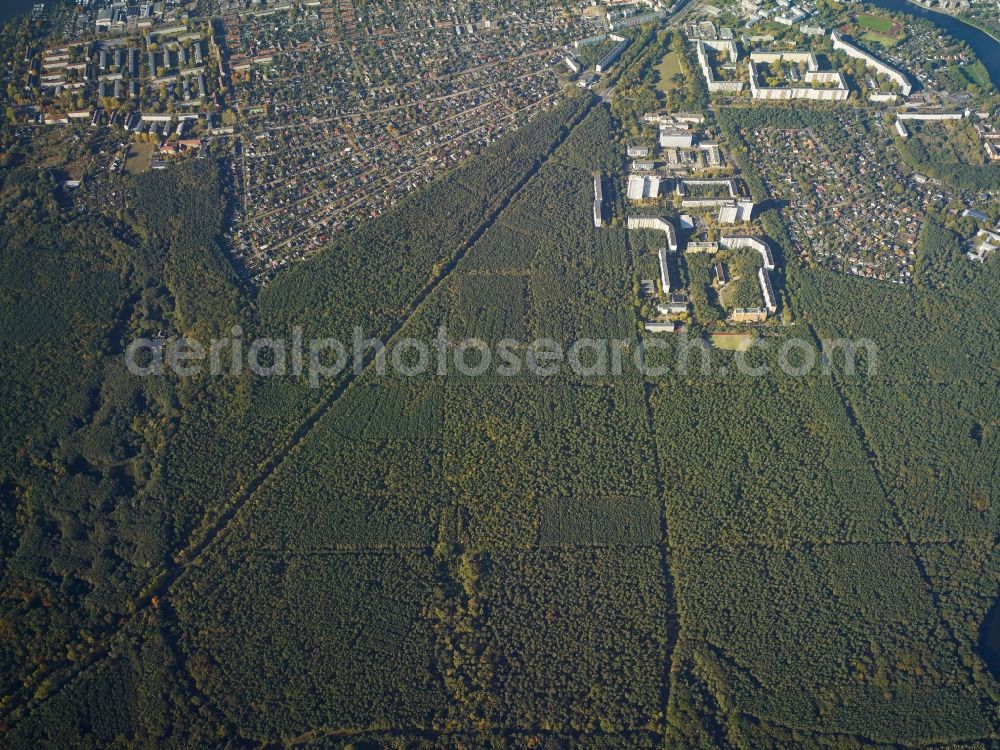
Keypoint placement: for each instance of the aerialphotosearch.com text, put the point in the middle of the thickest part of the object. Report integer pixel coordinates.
(320, 359)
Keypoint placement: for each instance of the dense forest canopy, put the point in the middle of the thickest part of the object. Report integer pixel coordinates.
(701, 557)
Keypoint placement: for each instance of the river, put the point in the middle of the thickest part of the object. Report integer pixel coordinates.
(987, 48)
(11, 8)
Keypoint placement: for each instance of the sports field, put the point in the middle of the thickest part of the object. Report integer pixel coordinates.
(877, 24)
(877, 30)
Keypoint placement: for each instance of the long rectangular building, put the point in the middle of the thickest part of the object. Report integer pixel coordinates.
(839, 43)
(626, 23)
(598, 201)
(612, 56)
(664, 270)
(929, 116)
(770, 301)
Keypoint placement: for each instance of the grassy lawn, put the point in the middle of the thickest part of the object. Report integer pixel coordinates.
(669, 66)
(732, 342)
(977, 74)
(726, 294)
(881, 39)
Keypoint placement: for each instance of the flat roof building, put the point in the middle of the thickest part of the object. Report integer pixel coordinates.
(660, 326)
(748, 315)
(736, 212)
(598, 201)
(656, 224)
(820, 85)
(770, 301)
(719, 45)
(929, 115)
(720, 274)
(676, 138)
(608, 60)
(752, 243)
(849, 49)
(664, 270)
(643, 186)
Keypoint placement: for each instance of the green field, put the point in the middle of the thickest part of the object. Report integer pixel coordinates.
(977, 73)
(668, 67)
(881, 39)
(732, 342)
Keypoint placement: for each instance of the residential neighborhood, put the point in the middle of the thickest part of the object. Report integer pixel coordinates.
(326, 113)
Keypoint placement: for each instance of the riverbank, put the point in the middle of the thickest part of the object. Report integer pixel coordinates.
(954, 14)
(983, 44)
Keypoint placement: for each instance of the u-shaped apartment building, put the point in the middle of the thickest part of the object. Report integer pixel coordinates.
(819, 88)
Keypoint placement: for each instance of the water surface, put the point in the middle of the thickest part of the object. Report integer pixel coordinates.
(987, 48)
